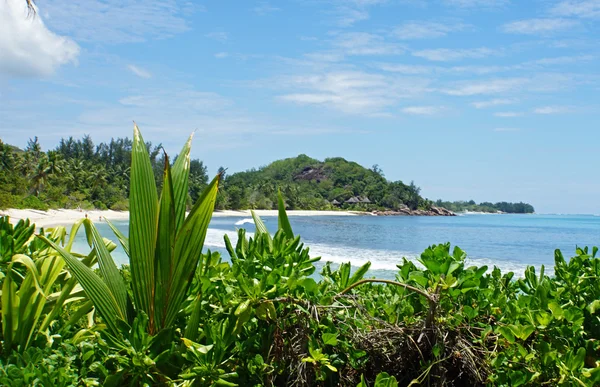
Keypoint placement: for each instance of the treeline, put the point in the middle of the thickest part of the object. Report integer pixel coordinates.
(81, 174)
(77, 174)
(509, 208)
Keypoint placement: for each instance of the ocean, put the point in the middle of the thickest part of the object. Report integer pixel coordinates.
(511, 242)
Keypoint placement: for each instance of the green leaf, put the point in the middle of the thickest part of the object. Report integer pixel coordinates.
(180, 176)
(143, 226)
(284, 222)
(188, 249)
(385, 380)
(96, 289)
(593, 306)
(330, 339)
(108, 269)
(359, 274)
(507, 334)
(165, 260)
(557, 310)
(122, 238)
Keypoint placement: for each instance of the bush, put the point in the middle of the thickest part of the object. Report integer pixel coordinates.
(34, 203)
(121, 205)
(9, 201)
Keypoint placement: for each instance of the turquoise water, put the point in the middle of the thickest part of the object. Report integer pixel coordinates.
(510, 242)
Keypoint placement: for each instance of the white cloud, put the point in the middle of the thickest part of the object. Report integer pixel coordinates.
(221, 55)
(140, 72)
(362, 43)
(27, 47)
(508, 114)
(506, 129)
(349, 12)
(493, 102)
(492, 86)
(177, 99)
(118, 21)
(218, 35)
(477, 3)
(352, 92)
(448, 54)
(578, 8)
(264, 8)
(406, 69)
(346, 16)
(425, 30)
(538, 26)
(423, 110)
(560, 60)
(553, 110)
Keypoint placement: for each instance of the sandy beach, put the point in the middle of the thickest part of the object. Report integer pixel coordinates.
(67, 217)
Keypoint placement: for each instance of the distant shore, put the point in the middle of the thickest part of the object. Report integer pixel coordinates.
(67, 217)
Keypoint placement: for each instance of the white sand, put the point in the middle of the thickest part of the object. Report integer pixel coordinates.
(62, 217)
(68, 217)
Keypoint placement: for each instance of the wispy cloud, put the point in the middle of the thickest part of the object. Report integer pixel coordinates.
(448, 54)
(352, 92)
(424, 110)
(221, 55)
(140, 72)
(425, 30)
(264, 8)
(578, 8)
(493, 102)
(28, 47)
(508, 114)
(541, 26)
(349, 12)
(406, 69)
(492, 86)
(181, 98)
(118, 21)
(362, 43)
(561, 60)
(553, 110)
(218, 35)
(477, 3)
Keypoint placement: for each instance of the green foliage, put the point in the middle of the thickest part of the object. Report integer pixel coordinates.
(180, 317)
(79, 174)
(509, 208)
(313, 185)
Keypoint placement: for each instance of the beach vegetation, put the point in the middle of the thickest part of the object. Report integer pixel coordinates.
(179, 315)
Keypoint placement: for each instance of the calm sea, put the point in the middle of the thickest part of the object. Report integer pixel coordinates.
(510, 242)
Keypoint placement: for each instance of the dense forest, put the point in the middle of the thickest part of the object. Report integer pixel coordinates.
(81, 174)
(78, 174)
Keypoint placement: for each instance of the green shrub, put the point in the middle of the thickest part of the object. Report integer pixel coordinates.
(34, 203)
(9, 201)
(121, 205)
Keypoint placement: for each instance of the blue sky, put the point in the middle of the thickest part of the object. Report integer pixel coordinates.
(472, 99)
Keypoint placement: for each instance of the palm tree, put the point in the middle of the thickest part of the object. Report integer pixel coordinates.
(39, 177)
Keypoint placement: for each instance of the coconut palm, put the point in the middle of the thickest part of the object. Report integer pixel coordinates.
(164, 248)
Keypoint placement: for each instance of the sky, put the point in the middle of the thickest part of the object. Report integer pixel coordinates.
(490, 100)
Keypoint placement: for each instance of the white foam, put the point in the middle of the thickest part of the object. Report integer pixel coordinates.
(244, 221)
(380, 259)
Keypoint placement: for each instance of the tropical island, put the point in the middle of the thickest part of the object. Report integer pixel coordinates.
(79, 174)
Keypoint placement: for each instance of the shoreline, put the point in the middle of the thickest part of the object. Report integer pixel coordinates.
(64, 217)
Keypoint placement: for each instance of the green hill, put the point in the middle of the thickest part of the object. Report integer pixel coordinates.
(311, 184)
